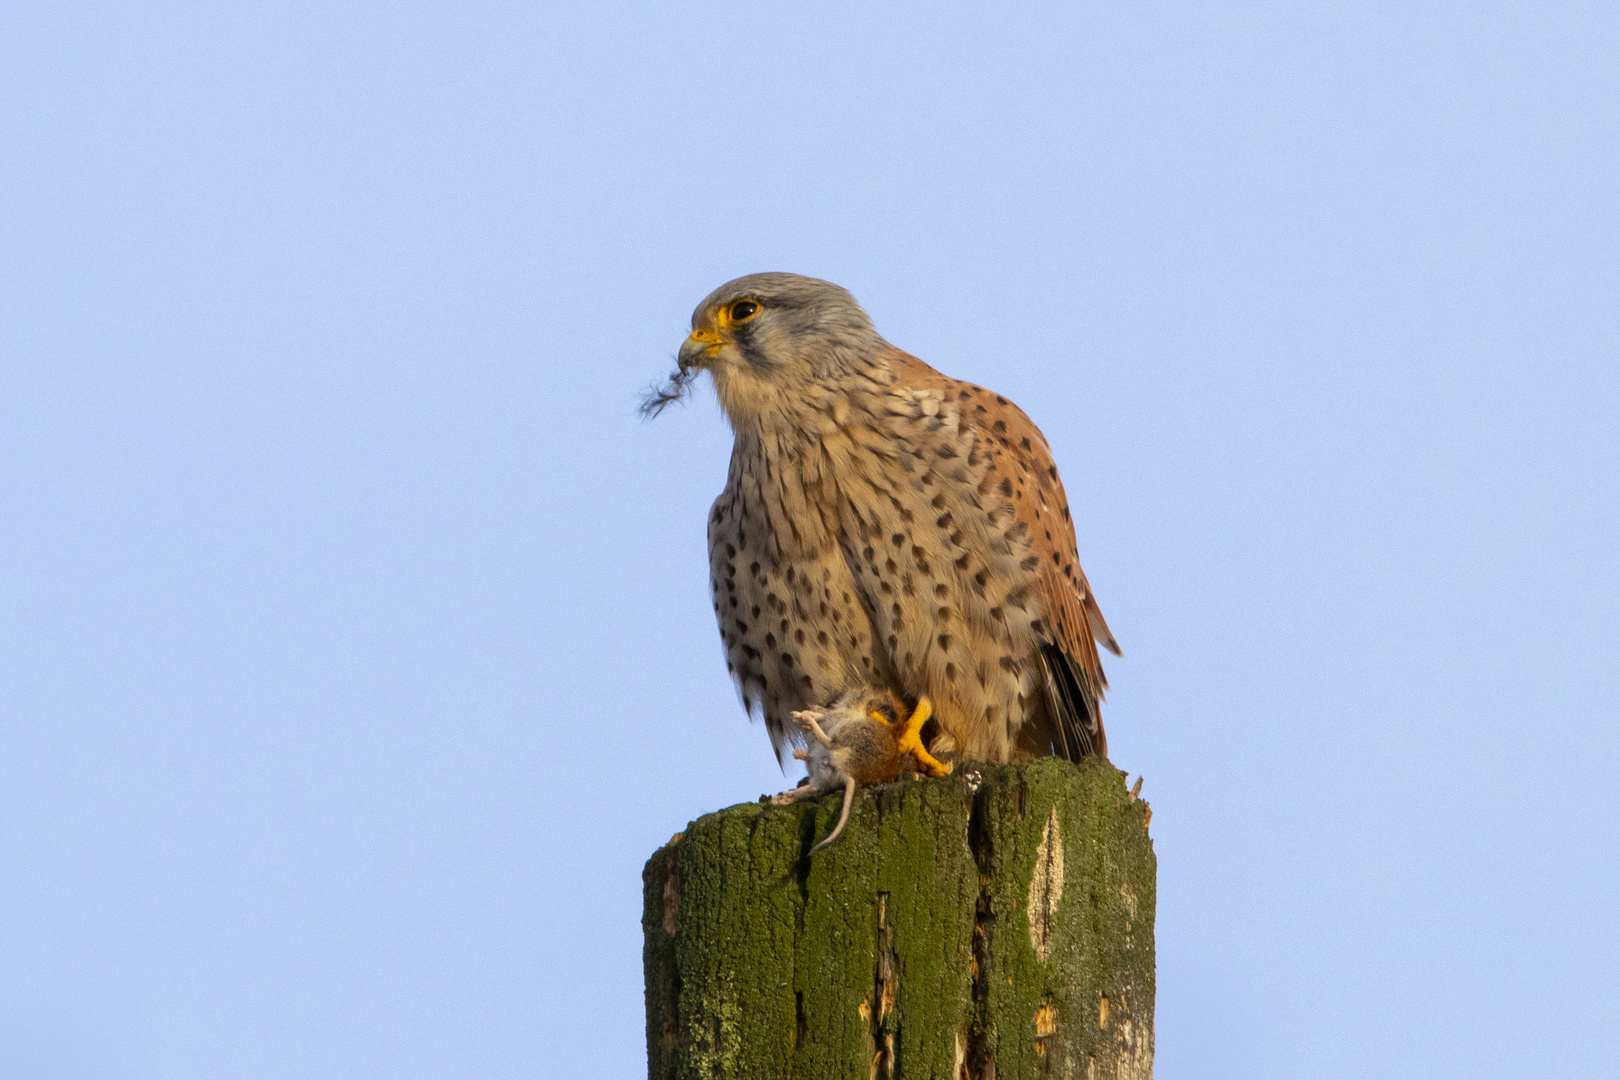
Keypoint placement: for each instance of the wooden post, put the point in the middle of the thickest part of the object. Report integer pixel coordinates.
(990, 925)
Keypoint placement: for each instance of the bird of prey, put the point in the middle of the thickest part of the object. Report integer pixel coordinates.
(884, 526)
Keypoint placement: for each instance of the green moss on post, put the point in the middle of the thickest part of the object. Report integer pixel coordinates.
(994, 924)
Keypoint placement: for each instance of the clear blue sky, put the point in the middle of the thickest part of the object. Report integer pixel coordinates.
(356, 643)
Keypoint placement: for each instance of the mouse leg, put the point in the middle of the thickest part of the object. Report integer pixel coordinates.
(911, 739)
(815, 729)
(793, 795)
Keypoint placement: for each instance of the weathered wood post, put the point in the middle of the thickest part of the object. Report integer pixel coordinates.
(990, 925)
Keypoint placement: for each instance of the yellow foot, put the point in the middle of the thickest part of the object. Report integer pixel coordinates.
(911, 739)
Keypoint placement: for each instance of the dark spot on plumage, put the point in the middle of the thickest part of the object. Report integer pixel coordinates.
(950, 672)
(956, 538)
(756, 611)
(1056, 558)
(798, 636)
(1024, 442)
(805, 682)
(1031, 563)
(1006, 486)
(941, 592)
(897, 539)
(996, 613)
(979, 409)
(1051, 470)
(1035, 625)
(962, 563)
(1008, 664)
(1000, 400)
(981, 577)
(999, 425)
(944, 521)
(938, 501)
(787, 659)
(770, 641)
(891, 566)
(885, 587)
(821, 637)
(944, 642)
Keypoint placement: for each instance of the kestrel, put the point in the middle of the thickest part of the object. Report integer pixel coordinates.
(884, 526)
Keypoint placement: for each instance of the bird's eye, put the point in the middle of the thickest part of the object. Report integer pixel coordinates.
(743, 310)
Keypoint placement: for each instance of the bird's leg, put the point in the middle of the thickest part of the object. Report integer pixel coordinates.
(911, 739)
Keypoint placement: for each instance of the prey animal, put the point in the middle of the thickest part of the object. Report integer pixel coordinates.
(859, 740)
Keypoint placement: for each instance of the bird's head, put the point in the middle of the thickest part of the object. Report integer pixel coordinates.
(771, 342)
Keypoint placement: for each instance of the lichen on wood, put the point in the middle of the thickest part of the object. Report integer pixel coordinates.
(997, 923)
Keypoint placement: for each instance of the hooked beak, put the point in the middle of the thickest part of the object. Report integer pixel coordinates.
(701, 346)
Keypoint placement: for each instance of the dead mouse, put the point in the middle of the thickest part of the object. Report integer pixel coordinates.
(859, 740)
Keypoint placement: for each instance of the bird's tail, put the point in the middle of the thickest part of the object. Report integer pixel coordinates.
(1073, 706)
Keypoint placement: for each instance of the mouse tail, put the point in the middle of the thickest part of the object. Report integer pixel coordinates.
(843, 815)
